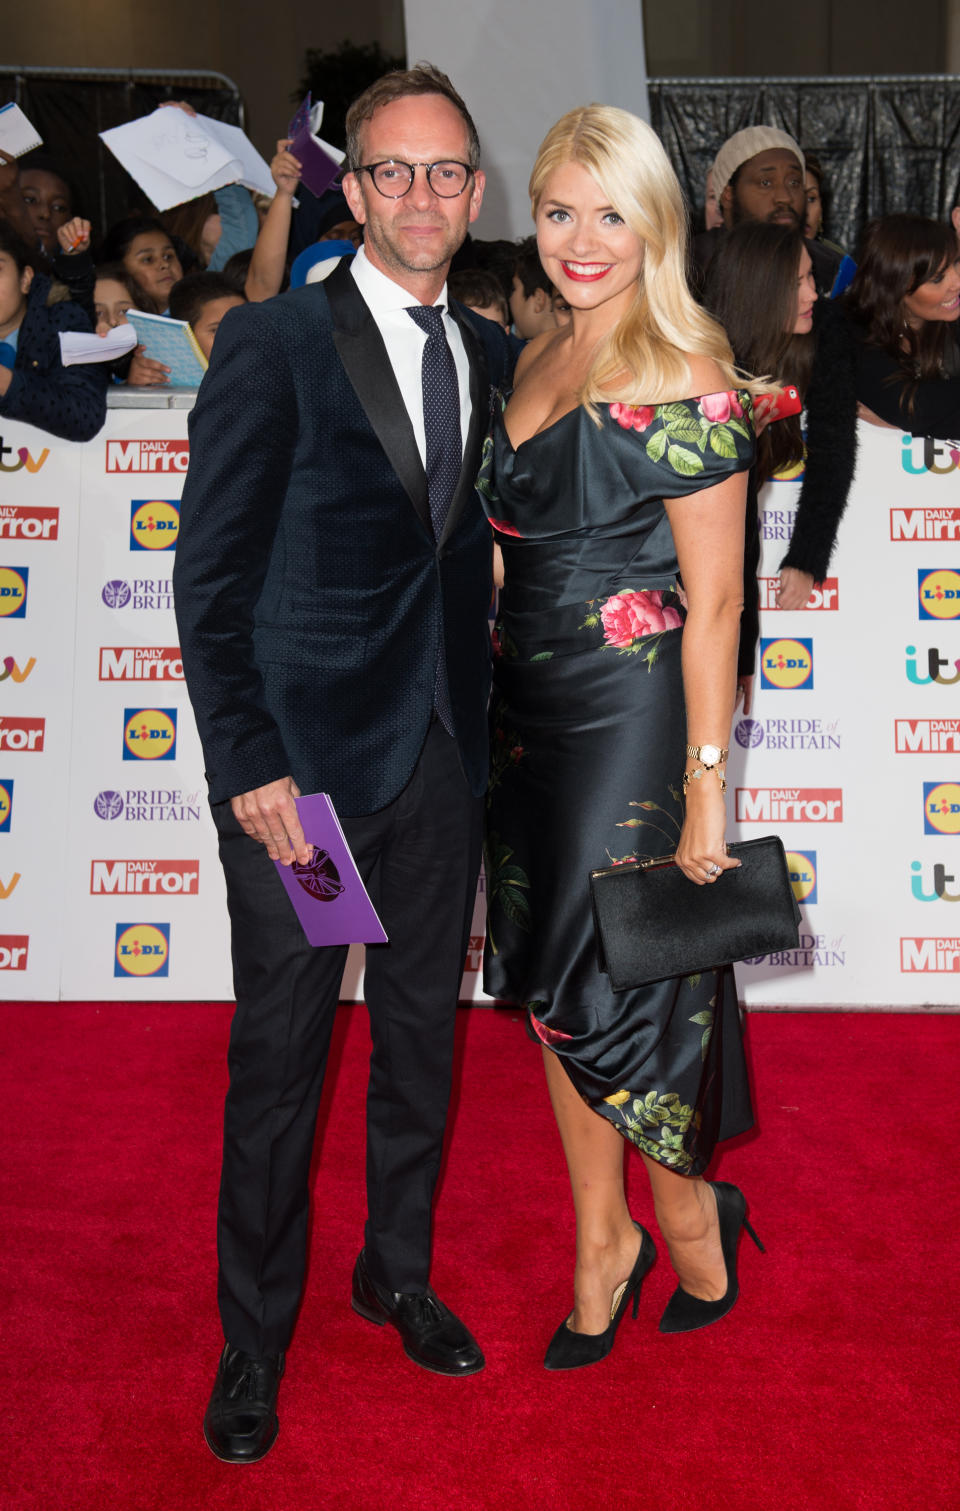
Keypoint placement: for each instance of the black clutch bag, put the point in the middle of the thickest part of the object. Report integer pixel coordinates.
(651, 922)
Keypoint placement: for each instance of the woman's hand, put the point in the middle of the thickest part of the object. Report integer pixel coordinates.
(146, 372)
(701, 853)
(74, 236)
(795, 588)
(284, 168)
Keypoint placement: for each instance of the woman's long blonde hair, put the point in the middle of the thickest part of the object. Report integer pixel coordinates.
(643, 360)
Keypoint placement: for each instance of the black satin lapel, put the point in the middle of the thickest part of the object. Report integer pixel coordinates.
(360, 347)
(479, 417)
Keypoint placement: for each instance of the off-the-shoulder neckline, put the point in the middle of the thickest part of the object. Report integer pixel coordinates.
(579, 409)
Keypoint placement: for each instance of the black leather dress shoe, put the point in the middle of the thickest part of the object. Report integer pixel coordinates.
(240, 1424)
(432, 1336)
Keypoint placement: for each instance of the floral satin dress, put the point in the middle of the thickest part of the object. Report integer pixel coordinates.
(588, 735)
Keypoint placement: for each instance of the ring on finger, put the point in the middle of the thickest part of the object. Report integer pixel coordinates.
(713, 870)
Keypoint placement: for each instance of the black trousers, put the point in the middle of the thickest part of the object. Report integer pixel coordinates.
(419, 859)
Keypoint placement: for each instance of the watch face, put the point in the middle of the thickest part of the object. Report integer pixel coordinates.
(710, 754)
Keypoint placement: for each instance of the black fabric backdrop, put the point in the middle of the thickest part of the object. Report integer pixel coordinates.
(68, 112)
(886, 144)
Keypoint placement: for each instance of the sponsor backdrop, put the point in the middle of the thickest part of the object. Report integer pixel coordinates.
(109, 881)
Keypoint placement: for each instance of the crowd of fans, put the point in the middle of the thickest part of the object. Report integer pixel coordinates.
(797, 307)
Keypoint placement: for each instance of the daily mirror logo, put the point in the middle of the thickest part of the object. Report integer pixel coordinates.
(154, 878)
(29, 522)
(140, 663)
(14, 949)
(148, 456)
(154, 524)
(927, 736)
(24, 735)
(936, 956)
(826, 595)
(790, 805)
(924, 524)
(142, 949)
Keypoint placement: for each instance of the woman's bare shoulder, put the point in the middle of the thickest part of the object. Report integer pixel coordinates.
(531, 353)
(706, 376)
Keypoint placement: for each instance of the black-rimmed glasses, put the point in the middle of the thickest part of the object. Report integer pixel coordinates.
(394, 179)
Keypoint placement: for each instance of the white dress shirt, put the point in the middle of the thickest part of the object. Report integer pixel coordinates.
(388, 304)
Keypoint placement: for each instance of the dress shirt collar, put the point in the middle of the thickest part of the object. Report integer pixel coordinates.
(382, 295)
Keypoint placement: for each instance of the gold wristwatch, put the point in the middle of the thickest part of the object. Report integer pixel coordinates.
(707, 755)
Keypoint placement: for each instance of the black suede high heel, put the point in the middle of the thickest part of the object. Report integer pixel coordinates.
(570, 1350)
(685, 1313)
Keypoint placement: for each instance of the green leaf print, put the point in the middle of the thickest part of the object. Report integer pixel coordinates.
(542, 656)
(681, 424)
(687, 463)
(722, 442)
(507, 885)
(704, 1020)
(657, 445)
(740, 428)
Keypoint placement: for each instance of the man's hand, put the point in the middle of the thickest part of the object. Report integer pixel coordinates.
(268, 814)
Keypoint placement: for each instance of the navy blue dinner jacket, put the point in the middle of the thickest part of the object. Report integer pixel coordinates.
(311, 596)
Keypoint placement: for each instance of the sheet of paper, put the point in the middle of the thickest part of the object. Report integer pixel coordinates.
(175, 157)
(17, 134)
(328, 895)
(87, 346)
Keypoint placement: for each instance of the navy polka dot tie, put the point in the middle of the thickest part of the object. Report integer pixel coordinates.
(441, 423)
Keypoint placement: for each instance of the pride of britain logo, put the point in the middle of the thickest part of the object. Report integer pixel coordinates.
(108, 805)
(786, 664)
(939, 593)
(142, 949)
(141, 593)
(149, 734)
(154, 524)
(788, 734)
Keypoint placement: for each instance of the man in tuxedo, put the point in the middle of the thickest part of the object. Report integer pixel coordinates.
(332, 582)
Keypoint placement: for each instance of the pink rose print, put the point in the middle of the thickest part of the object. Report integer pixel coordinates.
(628, 616)
(633, 416)
(718, 407)
(548, 1035)
(505, 528)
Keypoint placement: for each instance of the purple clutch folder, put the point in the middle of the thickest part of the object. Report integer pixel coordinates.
(328, 895)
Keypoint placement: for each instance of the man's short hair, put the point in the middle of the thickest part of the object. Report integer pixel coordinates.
(743, 145)
(191, 294)
(401, 83)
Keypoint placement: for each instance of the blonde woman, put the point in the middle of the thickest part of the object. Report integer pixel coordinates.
(615, 481)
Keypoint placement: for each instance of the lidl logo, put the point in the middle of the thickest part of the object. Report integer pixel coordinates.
(786, 664)
(142, 949)
(13, 951)
(13, 592)
(941, 807)
(802, 870)
(149, 734)
(6, 805)
(939, 593)
(154, 524)
(29, 522)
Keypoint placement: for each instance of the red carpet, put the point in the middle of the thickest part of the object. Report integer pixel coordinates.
(834, 1383)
